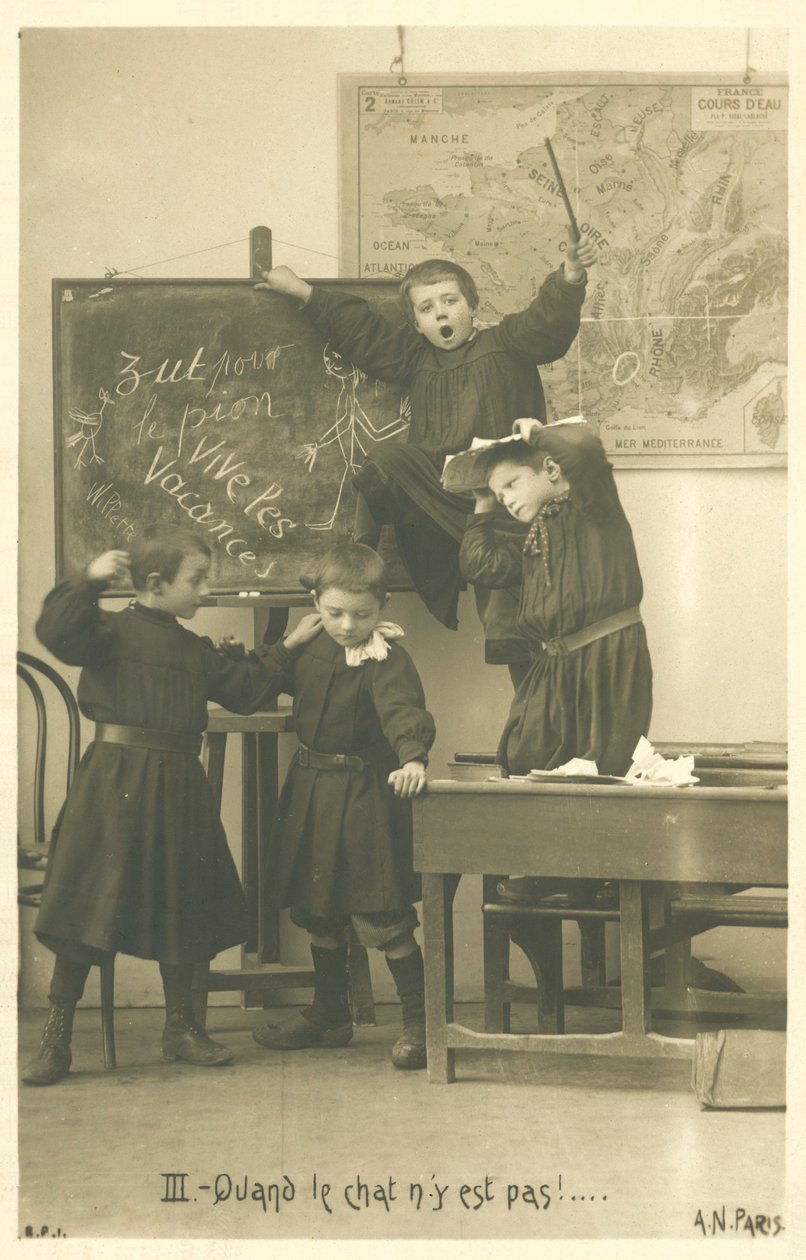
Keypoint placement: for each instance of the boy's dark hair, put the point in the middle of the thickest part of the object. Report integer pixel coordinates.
(431, 271)
(161, 549)
(349, 567)
(582, 460)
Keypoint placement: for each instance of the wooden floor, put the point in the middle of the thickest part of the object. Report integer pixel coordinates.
(545, 1149)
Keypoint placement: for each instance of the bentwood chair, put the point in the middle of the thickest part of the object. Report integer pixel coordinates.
(32, 844)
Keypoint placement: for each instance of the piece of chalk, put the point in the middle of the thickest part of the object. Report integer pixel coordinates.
(254, 594)
(242, 594)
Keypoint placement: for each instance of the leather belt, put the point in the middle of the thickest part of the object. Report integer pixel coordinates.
(566, 644)
(144, 737)
(329, 761)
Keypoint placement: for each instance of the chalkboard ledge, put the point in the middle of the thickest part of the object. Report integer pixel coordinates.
(233, 599)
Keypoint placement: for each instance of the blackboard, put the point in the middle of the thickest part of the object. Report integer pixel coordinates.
(208, 404)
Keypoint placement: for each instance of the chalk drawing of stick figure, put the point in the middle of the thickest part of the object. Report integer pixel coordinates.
(352, 427)
(89, 426)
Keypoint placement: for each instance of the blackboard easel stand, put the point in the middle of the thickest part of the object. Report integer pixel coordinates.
(261, 971)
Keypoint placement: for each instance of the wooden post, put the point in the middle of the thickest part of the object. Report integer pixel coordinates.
(260, 786)
(259, 251)
(438, 953)
(273, 622)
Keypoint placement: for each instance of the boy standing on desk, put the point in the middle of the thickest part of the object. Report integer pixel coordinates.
(463, 382)
(588, 692)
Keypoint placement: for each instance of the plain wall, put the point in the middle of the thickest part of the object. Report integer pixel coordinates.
(146, 145)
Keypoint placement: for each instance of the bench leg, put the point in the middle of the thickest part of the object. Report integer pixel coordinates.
(592, 954)
(542, 943)
(496, 965)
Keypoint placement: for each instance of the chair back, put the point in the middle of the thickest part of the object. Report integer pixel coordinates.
(33, 671)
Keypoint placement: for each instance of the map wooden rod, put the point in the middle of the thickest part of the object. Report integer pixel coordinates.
(568, 209)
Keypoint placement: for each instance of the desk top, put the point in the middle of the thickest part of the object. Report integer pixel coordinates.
(271, 721)
(725, 834)
(755, 754)
(720, 785)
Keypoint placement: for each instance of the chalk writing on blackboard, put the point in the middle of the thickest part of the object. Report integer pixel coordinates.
(353, 430)
(89, 426)
(203, 403)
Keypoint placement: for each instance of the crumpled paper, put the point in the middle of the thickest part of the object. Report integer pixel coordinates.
(577, 765)
(577, 770)
(650, 767)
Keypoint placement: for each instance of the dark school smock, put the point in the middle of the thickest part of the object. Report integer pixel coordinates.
(477, 390)
(593, 703)
(343, 840)
(139, 862)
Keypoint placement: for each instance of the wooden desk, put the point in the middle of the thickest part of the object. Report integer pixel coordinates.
(637, 836)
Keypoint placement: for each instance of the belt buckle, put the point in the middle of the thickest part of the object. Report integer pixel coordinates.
(304, 757)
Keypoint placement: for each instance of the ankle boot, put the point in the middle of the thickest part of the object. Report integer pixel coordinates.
(52, 1061)
(53, 1058)
(408, 1051)
(182, 1037)
(326, 1022)
(377, 492)
(366, 529)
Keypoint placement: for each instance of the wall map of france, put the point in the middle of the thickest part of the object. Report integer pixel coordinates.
(682, 350)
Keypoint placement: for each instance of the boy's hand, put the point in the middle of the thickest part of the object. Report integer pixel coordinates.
(111, 566)
(409, 780)
(527, 429)
(580, 255)
(485, 500)
(306, 629)
(284, 280)
(231, 647)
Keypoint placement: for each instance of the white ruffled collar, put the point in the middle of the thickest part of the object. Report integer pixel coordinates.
(376, 647)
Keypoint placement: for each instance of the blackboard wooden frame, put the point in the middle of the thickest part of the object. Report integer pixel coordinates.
(73, 299)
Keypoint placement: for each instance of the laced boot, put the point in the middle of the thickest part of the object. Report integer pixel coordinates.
(326, 1022)
(53, 1058)
(182, 1037)
(408, 1051)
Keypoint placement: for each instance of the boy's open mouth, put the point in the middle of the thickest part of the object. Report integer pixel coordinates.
(446, 332)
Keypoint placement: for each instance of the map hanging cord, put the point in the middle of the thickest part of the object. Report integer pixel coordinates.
(398, 60)
(749, 70)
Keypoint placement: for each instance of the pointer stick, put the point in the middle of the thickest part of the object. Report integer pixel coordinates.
(568, 210)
